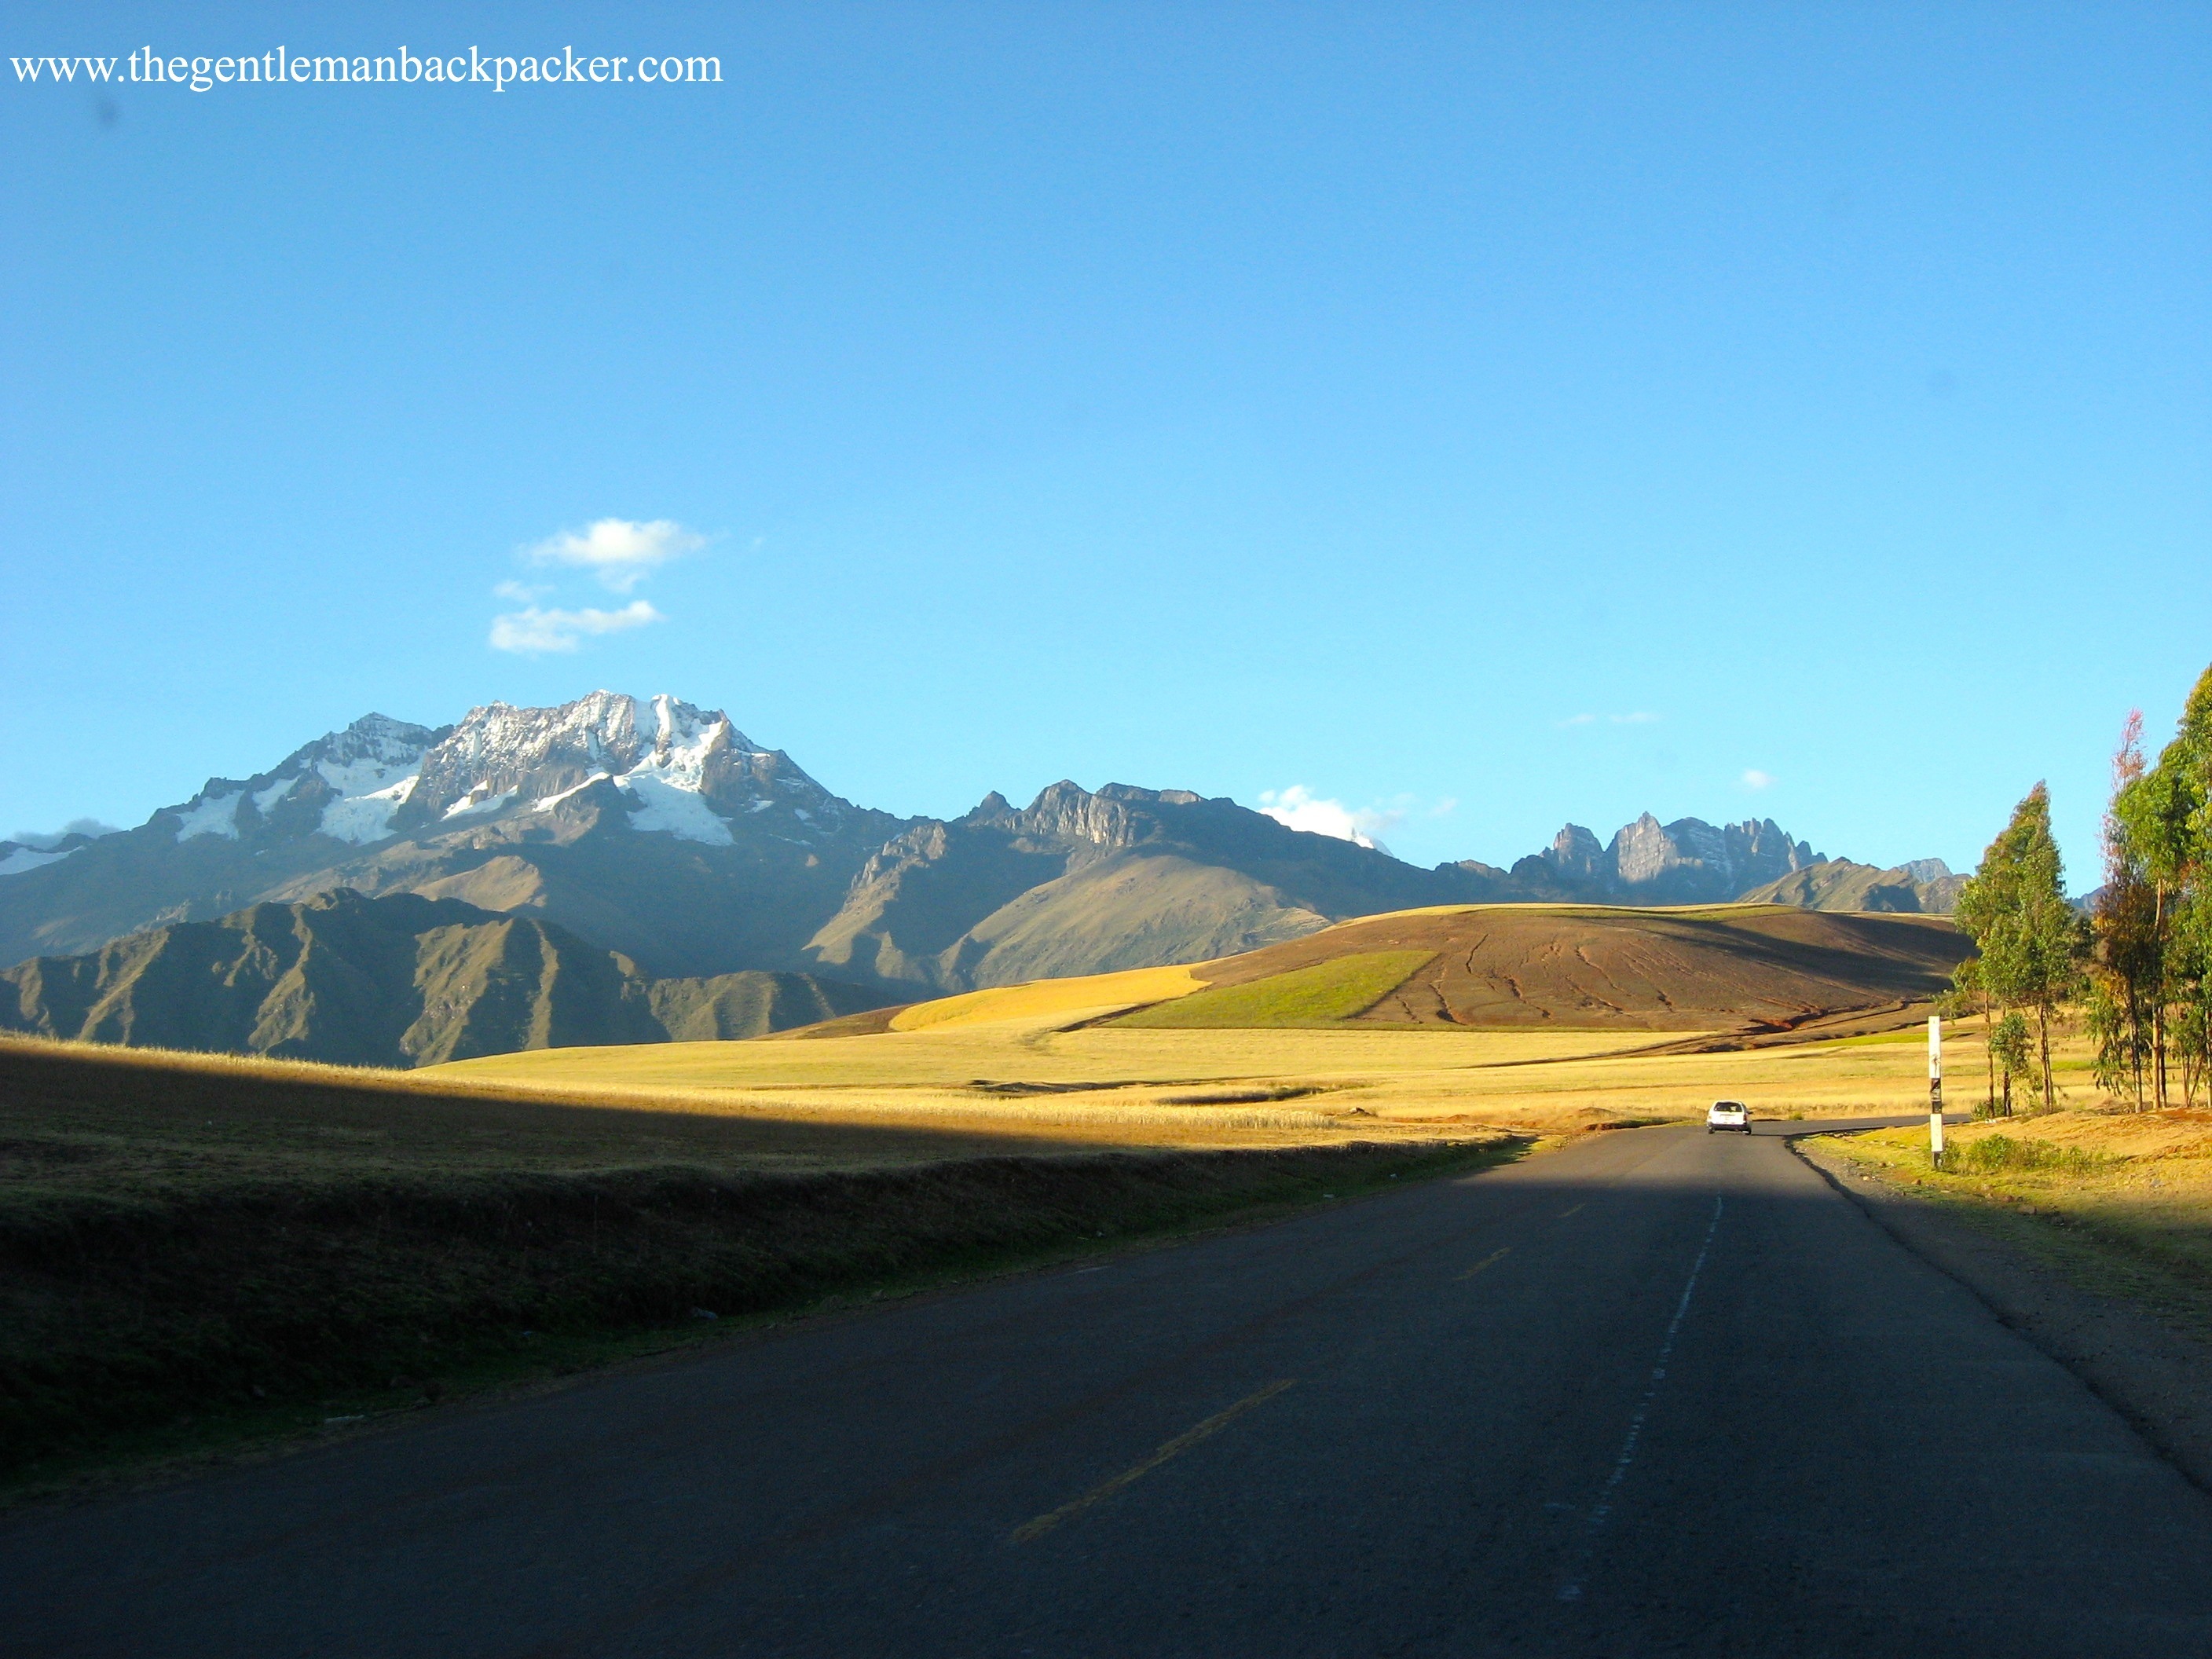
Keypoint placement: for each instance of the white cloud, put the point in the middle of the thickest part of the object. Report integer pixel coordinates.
(522, 592)
(620, 552)
(1756, 778)
(1299, 808)
(42, 839)
(531, 631)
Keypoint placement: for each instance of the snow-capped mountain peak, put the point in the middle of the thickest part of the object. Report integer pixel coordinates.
(680, 769)
(346, 784)
(677, 769)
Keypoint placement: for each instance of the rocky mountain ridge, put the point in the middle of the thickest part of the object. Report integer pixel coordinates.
(401, 981)
(667, 764)
(656, 828)
(1089, 882)
(649, 825)
(1688, 861)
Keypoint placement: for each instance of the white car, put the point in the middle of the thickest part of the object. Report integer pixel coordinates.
(1728, 1114)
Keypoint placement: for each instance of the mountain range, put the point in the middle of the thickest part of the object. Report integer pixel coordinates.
(400, 981)
(659, 831)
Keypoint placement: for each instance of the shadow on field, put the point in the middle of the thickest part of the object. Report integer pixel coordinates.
(201, 1113)
(181, 1249)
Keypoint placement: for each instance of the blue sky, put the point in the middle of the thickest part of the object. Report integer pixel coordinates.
(1479, 416)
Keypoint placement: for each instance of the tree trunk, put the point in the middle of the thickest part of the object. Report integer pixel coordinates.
(1989, 1053)
(2158, 995)
(2135, 1042)
(2043, 1038)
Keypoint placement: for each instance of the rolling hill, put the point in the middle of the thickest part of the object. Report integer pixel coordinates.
(1753, 970)
(1732, 967)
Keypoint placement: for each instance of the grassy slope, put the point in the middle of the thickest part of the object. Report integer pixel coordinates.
(1069, 1001)
(732, 1006)
(1697, 969)
(1322, 994)
(1840, 884)
(1128, 911)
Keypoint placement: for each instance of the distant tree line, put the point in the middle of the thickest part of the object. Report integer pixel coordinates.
(2140, 961)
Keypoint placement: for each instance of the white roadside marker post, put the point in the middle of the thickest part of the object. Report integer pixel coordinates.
(1936, 1090)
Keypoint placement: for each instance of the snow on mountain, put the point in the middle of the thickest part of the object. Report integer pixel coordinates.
(367, 797)
(371, 769)
(680, 770)
(472, 806)
(671, 783)
(19, 859)
(684, 771)
(30, 851)
(211, 814)
(547, 803)
(345, 784)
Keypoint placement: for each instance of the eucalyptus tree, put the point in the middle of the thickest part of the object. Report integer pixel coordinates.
(2031, 940)
(2165, 814)
(2127, 950)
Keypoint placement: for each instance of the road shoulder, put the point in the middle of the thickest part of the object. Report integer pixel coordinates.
(2159, 1378)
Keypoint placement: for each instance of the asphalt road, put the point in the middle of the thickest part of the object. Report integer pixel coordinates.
(1661, 1393)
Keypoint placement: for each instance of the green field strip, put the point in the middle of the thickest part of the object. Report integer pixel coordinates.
(1322, 994)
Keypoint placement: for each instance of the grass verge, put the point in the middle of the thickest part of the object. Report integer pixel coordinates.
(2118, 1204)
(163, 1325)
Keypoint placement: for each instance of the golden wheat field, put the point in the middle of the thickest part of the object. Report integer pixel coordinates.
(1027, 1072)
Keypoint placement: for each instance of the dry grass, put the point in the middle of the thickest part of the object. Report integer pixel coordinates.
(1136, 1086)
(1064, 1001)
(2119, 1199)
(965, 1085)
(1129, 1086)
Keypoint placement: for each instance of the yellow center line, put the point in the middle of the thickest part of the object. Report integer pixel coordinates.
(1174, 1447)
(1484, 1262)
(1577, 1210)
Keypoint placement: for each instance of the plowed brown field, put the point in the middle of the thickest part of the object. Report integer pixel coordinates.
(1734, 968)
